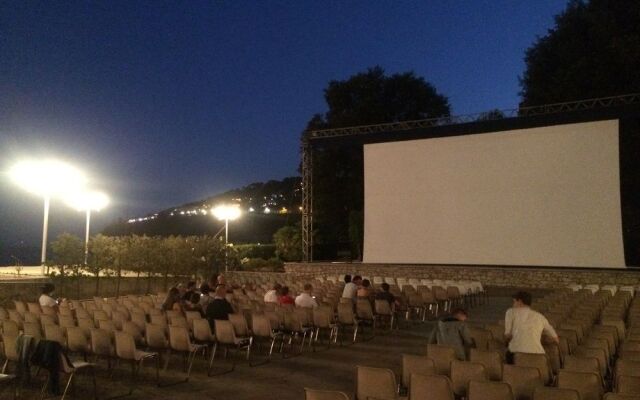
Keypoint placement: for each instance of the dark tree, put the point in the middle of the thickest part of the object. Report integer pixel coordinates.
(370, 97)
(593, 51)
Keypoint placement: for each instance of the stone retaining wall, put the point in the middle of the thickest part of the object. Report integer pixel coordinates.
(525, 277)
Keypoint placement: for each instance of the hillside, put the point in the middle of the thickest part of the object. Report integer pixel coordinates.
(266, 206)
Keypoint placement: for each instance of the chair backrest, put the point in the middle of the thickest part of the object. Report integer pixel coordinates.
(133, 329)
(322, 317)
(239, 324)
(125, 346)
(430, 387)
(539, 361)
(442, 355)
(202, 330)
(261, 325)
(486, 390)
(10, 328)
(225, 333)
(107, 325)
(139, 318)
(313, 394)
(31, 317)
(346, 315)
(413, 364)
(619, 396)
(379, 383)
(77, 340)
(626, 384)
(21, 307)
(56, 334)
(582, 364)
(101, 342)
(553, 393)
(599, 354)
(32, 329)
(46, 319)
(481, 337)
(383, 307)
(155, 335)
(47, 310)
(34, 308)
(462, 372)
(627, 367)
(589, 385)
(67, 321)
(10, 346)
(363, 309)
(523, 380)
(179, 338)
(491, 360)
(178, 320)
(191, 315)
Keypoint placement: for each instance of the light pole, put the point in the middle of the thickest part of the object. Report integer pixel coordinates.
(87, 202)
(226, 213)
(46, 178)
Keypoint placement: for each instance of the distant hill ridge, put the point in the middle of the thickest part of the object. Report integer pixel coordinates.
(266, 206)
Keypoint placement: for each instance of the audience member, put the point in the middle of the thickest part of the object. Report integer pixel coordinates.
(452, 330)
(189, 290)
(364, 291)
(272, 295)
(284, 297)
(350, 288)
(205, 299)
(193, 303)
(45, 299)
(523, 327)
(305, 299)
(384, 294)
(219, 307)
(172, 302)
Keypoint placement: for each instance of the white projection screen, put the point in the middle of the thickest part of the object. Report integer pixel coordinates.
(546, 196)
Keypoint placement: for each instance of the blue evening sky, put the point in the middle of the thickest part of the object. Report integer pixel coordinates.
(165, 102)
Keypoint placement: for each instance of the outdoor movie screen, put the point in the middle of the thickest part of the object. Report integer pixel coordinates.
(546, 196)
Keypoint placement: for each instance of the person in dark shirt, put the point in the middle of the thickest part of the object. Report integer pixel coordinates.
(191, 288)
(384, 294)
(219, 307)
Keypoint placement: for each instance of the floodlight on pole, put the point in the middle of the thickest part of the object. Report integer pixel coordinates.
(226, 213)
(47, 178)
(87, 202)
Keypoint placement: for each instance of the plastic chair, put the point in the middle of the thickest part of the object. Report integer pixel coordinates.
(523, 380)
(180, 342)
(413, 364)
(486, 390)
(378, 383)
(314, 394)
(430, 387)
(225, 336)
(553, 393)
(442, 355)
(462, 372)
(491, 360)
(126, 350)
(539, 361)
(589, 385)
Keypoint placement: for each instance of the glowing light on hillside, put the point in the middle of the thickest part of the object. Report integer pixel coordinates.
(225, 212)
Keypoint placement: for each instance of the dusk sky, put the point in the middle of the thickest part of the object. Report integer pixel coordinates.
(164, 103)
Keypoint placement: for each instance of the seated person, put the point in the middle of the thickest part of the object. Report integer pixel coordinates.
(284, 297)
(452, 330)
(364, 291)
(45, 299)
(219, 307)
(384, 294)
(272, 295)
(305, 299)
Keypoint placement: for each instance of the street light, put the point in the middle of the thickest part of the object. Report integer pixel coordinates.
(46, 178)
(226, 213)
(87, 202)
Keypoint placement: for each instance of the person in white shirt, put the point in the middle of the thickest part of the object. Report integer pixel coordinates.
(45, 299)
(351, 288)
(304, 299)
(523, 327)
(272, 295)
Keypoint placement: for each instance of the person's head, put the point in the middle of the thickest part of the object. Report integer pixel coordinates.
(48, 288)
(366, 283)
(194, 297)
(181, 288)
(213, 281)
(191, 285)
(521, 299)
(460, 314)
(204, 289)
(221, 280)
(308, 288)
(221, 291)
(357, 280)
(277, 287)
(347, 278)
(385, 287)
(173, 292)
(284, 291)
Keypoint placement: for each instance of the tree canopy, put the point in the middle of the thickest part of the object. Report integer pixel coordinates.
(370, 97)
(592, 51)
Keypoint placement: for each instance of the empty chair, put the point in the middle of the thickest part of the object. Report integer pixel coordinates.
(619, 396)
(412, 364)
(430, 387)
(72, 368)
(180, 342)
(626, 384)
(588, 384)
(491, 360)
(34, 308)
(134, 330)
(155, 336)
(125, 348)
(485, 390)
(323, 321)
(599, 354)
(46, 319)
(101, 345)
(225, 336)
(481, 337)
(10, 328)
(55, 333)
(314, 394)
(462, 372)
(77, 341)
(32, 329)
(10, 348)
(262, 330)
(346, 317)
(442, 355)
(383, 310)
(582, 364)
(627, 367)
(240, 326)
(66, 321)
(523, 380)
(378, 383)
(553, 393)
(539, 361)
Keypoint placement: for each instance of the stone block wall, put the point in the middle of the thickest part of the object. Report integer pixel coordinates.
(525, 277)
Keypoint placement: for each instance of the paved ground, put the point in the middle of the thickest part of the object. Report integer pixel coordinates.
(282, 379)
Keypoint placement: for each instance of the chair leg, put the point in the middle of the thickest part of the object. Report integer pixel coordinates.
(68, 384)
(355, 333)
(4, 366)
